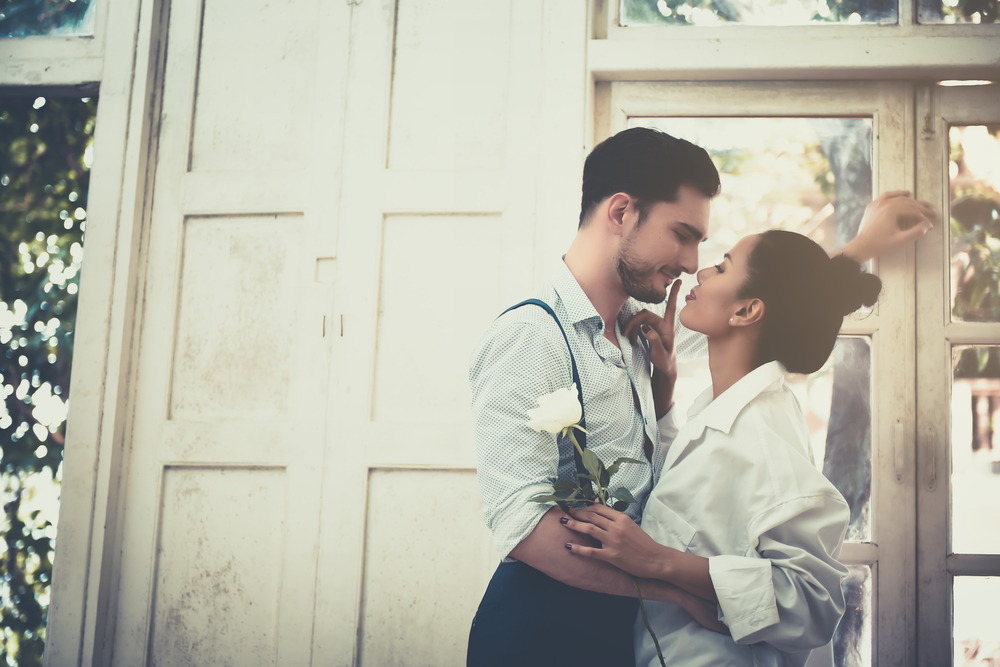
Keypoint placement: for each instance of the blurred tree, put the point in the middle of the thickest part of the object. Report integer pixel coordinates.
(22, 18)
(683, 12)
(44, 173)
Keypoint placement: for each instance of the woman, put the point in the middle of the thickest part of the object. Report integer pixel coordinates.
(740, 515)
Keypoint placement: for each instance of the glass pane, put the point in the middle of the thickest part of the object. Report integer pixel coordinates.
(975, 451)
(45, 156)
(852, 643)
(836, 401)
(974, 171)
(28, 18)
(812, 176)
(756, 12)
(958, 11)
(977, 632)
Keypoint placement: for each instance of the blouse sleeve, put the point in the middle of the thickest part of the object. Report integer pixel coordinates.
(787, 592)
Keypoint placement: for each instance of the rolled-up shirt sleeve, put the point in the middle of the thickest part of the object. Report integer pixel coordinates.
(515, 364)
(788, 593)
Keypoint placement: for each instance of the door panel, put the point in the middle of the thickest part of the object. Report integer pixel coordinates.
(220, 524)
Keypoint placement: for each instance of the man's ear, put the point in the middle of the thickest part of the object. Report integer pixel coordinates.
(751, 312)
(616, 207)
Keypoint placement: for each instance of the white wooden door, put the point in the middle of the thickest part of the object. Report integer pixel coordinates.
(220, 522)
(453, 112)
(344, 196)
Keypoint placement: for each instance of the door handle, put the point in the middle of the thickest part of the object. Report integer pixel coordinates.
(898, 449)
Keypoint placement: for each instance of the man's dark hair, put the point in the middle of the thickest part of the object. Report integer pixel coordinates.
(647, 164)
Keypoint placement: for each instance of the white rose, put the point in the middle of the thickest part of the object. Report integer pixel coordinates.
(556, 411)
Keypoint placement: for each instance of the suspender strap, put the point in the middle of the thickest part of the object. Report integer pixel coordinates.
(581, 437)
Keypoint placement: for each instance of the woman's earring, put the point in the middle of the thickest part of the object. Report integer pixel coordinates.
(732, 320)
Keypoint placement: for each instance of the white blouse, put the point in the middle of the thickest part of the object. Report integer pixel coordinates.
(739, 487)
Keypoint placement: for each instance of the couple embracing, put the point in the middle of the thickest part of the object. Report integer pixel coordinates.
(736, 556)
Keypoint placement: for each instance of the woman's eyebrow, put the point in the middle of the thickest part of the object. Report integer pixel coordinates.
(726, 256)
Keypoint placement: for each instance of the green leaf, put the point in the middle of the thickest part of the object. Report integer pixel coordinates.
(592, 464)
(621, 506)
(545, 498)
(623, 494)
(605, 477)
(564, 484)
(617, 464)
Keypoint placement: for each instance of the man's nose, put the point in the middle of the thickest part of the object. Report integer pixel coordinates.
(689, 260)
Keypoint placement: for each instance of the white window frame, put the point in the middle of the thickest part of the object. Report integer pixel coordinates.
(907, 50)
(937, 109)
(119, 61)
(892, 363)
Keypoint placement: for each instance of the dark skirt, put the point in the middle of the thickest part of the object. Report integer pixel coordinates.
(527, 618)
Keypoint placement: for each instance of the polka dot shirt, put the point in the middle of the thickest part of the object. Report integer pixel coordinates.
(523, 356)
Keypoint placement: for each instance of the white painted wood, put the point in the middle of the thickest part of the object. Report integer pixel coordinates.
(459, 263)
(806, 52)
(68, 61)
(254, 98)
(449, 84)
(80, 587)
(938, 108)
(435, 241)
(216, 600)
(232, 341)
(893, 401)
(419, 585)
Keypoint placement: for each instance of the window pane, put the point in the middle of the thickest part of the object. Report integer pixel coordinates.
(958, 11)
(756, 12)
(812, 176)
(836, 401)
(807, 175)
(977, 632)
(45, 157)
(27, 18)
(974, 171)
(852, 643)
(975, 451)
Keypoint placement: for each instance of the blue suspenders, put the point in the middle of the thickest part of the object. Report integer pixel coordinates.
(580, 435)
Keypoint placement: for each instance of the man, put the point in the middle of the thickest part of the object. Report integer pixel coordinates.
(645, 209)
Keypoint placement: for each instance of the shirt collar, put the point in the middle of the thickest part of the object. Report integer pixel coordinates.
(578, 307)
(723, 411)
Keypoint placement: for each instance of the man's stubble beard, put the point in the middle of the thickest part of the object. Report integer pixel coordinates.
(637, 277)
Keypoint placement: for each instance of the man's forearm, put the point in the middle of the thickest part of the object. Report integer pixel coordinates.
(544, 549)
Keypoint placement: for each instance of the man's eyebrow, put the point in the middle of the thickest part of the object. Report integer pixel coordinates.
(694, 232)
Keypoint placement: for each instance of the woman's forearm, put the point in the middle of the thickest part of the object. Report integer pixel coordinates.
(688, 572)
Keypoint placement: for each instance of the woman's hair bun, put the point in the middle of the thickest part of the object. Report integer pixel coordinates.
(851, 287)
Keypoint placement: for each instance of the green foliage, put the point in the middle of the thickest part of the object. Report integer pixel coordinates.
(20, 18)
(44, 178)
(689, 12)
(589, 486)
